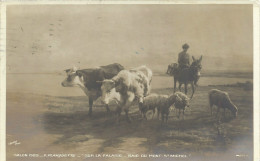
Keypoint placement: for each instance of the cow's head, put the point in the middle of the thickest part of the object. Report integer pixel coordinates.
(74, 78)
(107, 89)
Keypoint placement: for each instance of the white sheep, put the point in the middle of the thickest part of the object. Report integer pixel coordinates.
(221, 100)
(181, 102)
(152, 102)
(163, 104)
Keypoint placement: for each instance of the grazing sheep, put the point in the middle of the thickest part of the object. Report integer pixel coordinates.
(151, 102)
(221, 100)
(181, 102)
(164, 109)
(163, 104)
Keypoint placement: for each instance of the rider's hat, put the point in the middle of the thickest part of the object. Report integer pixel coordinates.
(185, 46)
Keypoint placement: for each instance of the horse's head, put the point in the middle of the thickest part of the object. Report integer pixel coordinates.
(196, 67)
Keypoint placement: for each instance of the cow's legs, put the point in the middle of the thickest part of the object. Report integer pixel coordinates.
(179, 113)
(143, 112)
(217, 111)
(167, 114)
(158, 113)
(180, 86)
(162, 115)
(118, 112)
(107, 107)
(126, 109)
(90, 106)
(127, 117)
(145, 115)
(128, 103)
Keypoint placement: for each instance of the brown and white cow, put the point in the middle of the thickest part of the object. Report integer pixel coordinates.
(87, 79)
(132, 85)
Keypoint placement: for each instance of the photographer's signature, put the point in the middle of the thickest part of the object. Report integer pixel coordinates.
(14, 143)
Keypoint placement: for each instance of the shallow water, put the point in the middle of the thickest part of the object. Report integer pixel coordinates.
(50, 84)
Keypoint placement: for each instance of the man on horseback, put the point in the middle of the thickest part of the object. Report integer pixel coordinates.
(184, 57)
(183, 61)
(184, 72)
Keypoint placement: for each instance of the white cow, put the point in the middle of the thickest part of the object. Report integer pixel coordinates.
(131, 86)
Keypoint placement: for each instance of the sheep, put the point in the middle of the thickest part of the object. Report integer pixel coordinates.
(163, 104)
(221, 100)
(181, 102)
(151, 102)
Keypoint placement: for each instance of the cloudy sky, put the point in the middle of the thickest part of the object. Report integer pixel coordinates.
(46, 38)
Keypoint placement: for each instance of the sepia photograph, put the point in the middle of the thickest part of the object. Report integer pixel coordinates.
(94, 82)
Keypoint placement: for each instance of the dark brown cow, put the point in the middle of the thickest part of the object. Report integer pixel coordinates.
(87, 79)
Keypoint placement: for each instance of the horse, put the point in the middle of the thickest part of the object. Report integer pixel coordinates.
(189, 75)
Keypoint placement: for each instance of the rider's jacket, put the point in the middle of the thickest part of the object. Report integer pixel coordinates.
(184, 59)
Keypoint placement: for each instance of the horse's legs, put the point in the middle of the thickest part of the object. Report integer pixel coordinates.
(183, 113)
(186, 88)
(167, 114)
(192, 87)
(175, 81)
(153, 113)
(90, 101)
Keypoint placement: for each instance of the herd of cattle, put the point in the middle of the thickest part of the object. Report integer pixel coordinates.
(128, 87)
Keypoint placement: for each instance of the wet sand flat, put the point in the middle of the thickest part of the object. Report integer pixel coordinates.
(45, 125)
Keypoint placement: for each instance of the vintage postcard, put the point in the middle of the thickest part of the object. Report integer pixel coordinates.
(129, 80)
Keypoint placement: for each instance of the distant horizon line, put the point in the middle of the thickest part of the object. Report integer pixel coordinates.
(157, 72)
